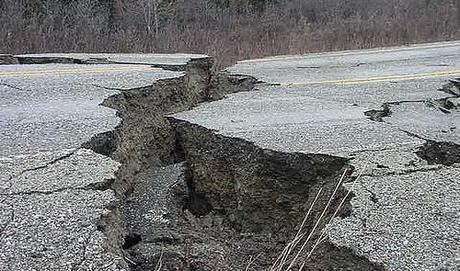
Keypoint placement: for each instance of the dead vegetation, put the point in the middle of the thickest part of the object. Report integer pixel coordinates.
(227, 29)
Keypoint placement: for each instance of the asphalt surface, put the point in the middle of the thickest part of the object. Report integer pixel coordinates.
(142, 59)
(56, 106)
(50, 204)
(406, 213)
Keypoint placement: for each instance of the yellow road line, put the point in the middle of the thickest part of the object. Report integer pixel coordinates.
(411, 47)
(75, 71)
(374, 79)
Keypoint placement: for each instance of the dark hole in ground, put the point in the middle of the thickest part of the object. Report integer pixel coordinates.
(198, 204)
(131, 240)
(444, 153)
(374, 198)
(378, 115)
(103, 143)
(101, 186)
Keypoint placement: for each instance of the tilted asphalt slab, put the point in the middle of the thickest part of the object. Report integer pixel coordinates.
(406, 213)
(50, 203)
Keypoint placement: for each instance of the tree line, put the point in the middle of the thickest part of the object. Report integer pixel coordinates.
(227, 29)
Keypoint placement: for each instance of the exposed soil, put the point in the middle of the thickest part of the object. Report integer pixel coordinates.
(445, 153)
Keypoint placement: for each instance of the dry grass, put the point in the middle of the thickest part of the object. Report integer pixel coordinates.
(299, 250)
(228, 33)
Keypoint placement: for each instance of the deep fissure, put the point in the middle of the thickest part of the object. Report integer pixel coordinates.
(229, 192)
(148, 141)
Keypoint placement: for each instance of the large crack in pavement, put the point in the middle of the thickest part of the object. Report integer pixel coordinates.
(192, 199)
(259, 196)
(229, 203)
(145, 139)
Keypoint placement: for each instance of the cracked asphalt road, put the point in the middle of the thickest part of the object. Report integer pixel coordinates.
(406, 213)
(52, 194)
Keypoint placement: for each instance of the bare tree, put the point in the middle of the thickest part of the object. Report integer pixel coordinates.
(150, 9)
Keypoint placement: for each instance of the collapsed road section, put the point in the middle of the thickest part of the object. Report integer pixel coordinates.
(220, 171)
(182, 207)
